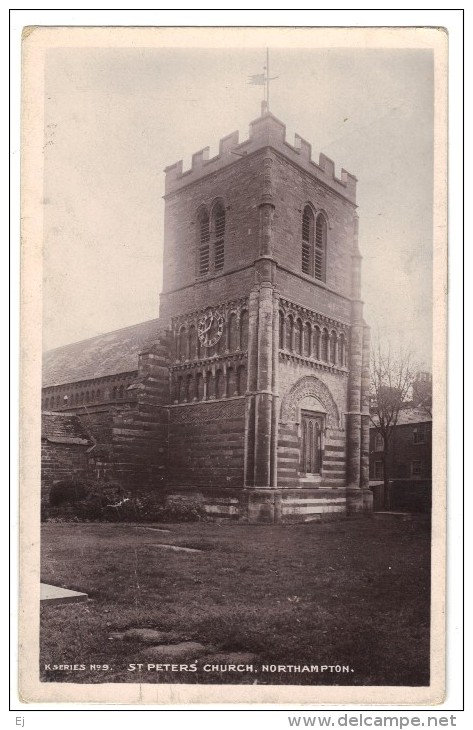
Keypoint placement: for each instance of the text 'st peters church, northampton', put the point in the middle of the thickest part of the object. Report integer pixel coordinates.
(250, 392)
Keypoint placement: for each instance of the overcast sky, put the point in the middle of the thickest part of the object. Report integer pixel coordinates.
(116, 117)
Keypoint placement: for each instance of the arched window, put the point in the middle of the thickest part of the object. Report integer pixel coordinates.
(46, 403)
(87, 398)
(241, 380)
(210, 385)
(316, 343)
(307, 339)
(308, 241)
(121, 392)
(199, 386)
(282, 331)
(189, 388)
(232, 332)
(179, 389)
(341, 350)
(181, 344)
(289, 330)
(320, 247)
(98, 394)
(218, 384)
(218, 229)
(298, 337)
(220, 346)
(192, 343)
(324, 346)
(231, 382)
(244, 330)
(333, 347)
(203, 263)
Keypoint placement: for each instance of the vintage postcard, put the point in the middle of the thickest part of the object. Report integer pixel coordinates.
(233, 365)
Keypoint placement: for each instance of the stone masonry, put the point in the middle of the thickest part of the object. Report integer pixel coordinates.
(254, 396)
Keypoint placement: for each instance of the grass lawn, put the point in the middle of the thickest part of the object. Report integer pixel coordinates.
(353, 593)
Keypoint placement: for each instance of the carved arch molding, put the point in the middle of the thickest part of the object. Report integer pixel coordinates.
(309, 386)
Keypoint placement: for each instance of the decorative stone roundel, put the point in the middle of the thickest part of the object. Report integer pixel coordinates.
(309, 386)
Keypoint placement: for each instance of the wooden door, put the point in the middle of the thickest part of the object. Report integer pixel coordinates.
(311, 442)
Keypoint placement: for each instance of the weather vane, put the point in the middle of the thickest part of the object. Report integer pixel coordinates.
(263, 80)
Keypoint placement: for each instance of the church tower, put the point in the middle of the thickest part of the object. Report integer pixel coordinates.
(269, 368)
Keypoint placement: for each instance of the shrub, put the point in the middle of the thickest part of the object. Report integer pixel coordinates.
(179, 509)
(102, 501)
(66, 490)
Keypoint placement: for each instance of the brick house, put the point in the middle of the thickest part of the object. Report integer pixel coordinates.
(409, 462)
(251, 390)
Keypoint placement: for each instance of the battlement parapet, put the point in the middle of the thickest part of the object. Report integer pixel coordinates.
(266, 131)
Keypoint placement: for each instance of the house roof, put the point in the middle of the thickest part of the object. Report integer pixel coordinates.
(410, 415)
(107, 354)
(63, 428)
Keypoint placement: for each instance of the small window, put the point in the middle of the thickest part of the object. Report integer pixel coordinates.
(378, 442)
(378, 470)
(416, 469)
(419, 433)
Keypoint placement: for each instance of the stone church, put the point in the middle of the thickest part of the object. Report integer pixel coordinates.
(250, 392)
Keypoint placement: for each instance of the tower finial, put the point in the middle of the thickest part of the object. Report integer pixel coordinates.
(263, 80)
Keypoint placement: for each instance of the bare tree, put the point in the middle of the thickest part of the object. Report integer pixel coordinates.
(392, 377)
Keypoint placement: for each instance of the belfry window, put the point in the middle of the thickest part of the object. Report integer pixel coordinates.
(307, 241)
(211, 240)
(204, 244)
(219, 235)
(320, 247)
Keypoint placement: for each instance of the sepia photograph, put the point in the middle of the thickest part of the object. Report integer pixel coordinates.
(233, 461)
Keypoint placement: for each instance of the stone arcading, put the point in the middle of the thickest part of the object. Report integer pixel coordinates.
(297, 311)
(309, 385)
